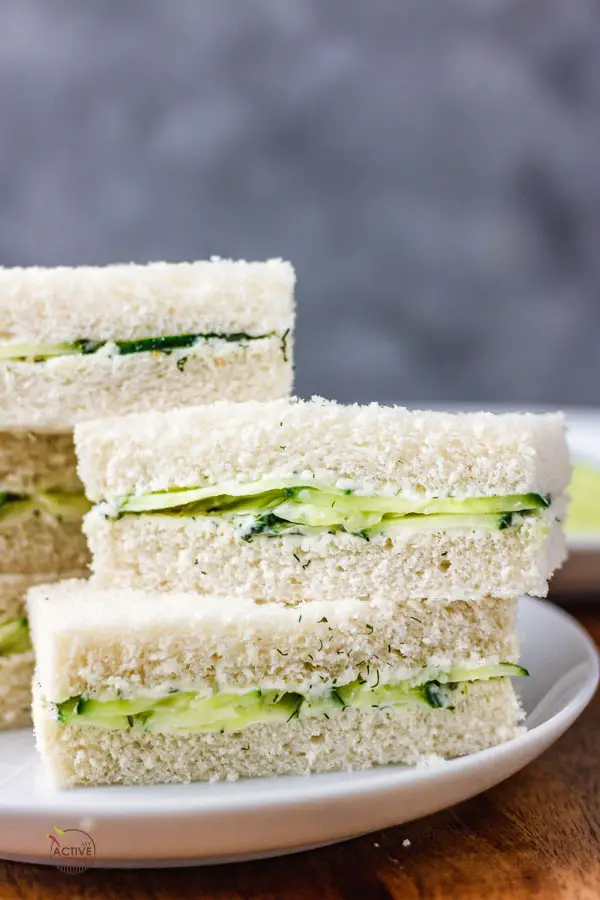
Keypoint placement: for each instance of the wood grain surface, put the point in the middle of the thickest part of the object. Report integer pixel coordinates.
(536, 835)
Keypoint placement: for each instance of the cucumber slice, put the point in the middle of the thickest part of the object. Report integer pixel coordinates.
(184, 712)
(318, 505)
(105, 722)
(484, 673)
(62, 506)
(79, 711)
(210, 496)
(270, 525)
(344, 504)
(110, 709)
(71, 507)
(13, 506)
(14, 637)
(387, 696)
(29, 350)
(399, 506)
(230, 716)
(66, 711)
(178, 341)
(224, 495)
(396, 525)
(488, 505)
(350, 694)
(324, 516)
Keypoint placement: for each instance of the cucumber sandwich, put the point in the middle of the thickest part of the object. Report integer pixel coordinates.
(41, 508)
(16, 653)
(110, 340)
(41, 504)
(293, 501)
(133, 687)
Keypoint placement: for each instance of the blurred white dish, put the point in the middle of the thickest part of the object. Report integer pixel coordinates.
(583, 523)
(205, 823)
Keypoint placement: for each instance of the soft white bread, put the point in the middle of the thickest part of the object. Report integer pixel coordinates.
(370, 448)
(65, 390)
(486, 715)
(207, 555)
(32, 461)
(129, 302)
(16, 672)
(38, 542)
(94, 642)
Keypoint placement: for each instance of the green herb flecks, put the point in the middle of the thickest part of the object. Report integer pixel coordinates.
(437, 696)
(284, 340)
(266, 524)
(505, 521)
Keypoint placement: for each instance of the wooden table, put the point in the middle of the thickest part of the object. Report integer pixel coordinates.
(536, 835)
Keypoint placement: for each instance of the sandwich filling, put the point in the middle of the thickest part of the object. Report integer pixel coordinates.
(187, 711)
(292, 506)
(40, 352)
(61, 505)
(14, 637)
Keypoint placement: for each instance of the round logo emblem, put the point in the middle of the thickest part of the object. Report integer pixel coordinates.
(72, 851)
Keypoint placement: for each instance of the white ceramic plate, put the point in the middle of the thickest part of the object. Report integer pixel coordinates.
(206, 823)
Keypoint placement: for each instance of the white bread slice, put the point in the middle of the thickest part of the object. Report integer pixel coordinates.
(38, 542)
(62, 391)
(93, 642)
(31, 461)
(16, 672)
(130, 302)
(207, 555)
(373, 449)
(486, 715)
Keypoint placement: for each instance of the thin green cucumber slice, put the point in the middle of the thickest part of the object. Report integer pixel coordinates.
(31, 350)
(183, 712)
(319, 504)
(62, 505)
(401, 505)
(14, 636)
(40, 351)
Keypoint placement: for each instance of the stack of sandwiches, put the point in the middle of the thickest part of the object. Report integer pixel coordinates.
(287, 587)
(82, 343)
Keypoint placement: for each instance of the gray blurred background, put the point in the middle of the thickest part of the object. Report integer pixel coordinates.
(431, 168)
